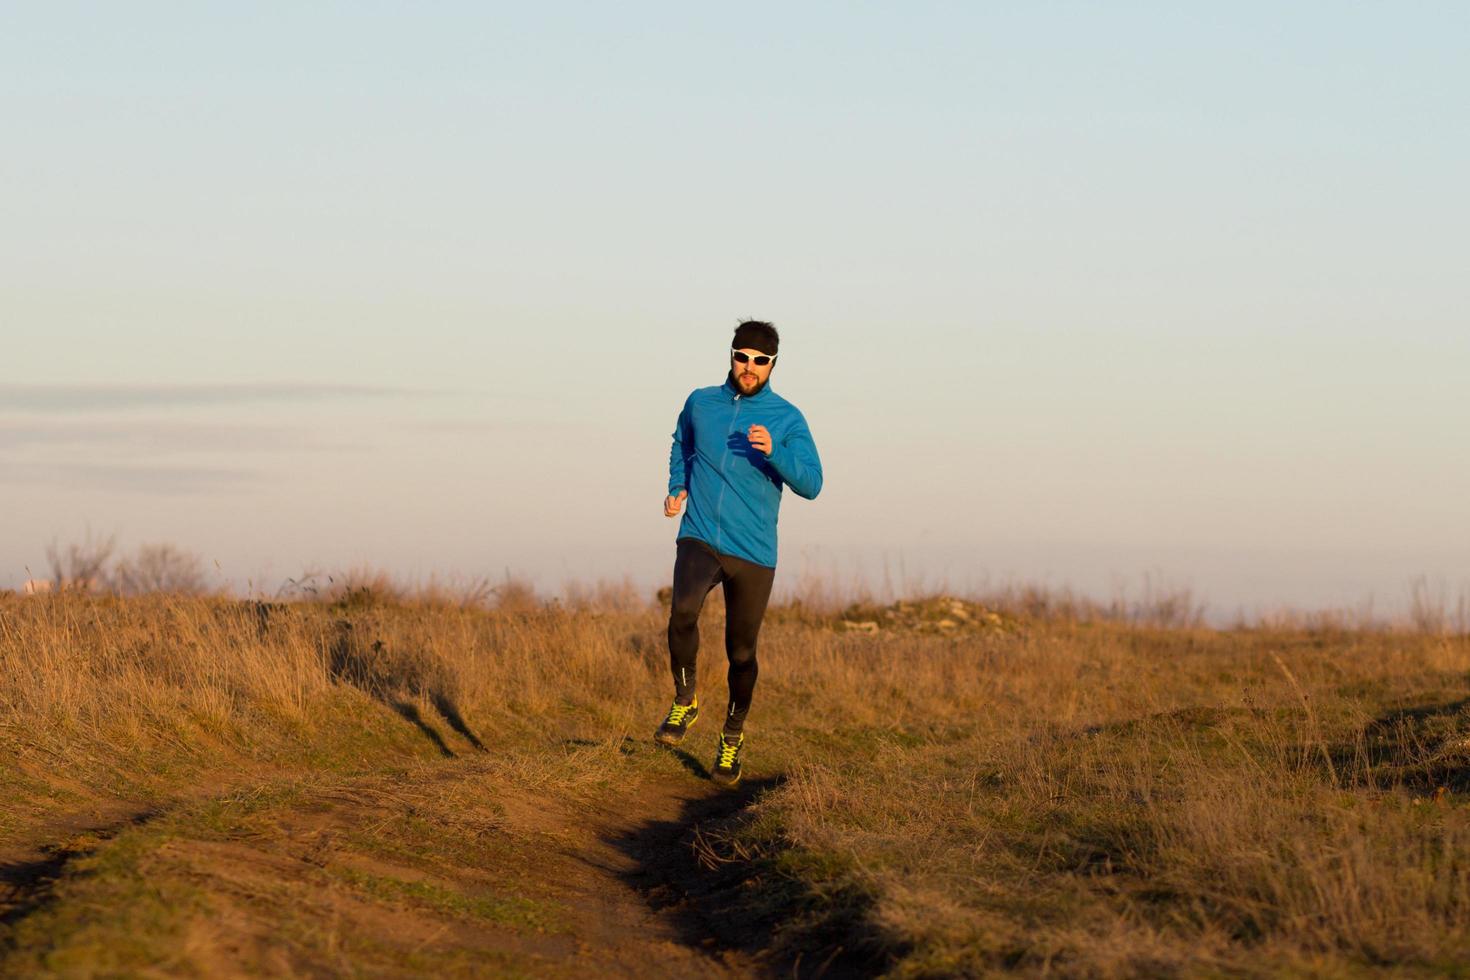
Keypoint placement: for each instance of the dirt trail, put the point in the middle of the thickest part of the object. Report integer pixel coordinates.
(28, 871)
(631, 874)
(347, 878)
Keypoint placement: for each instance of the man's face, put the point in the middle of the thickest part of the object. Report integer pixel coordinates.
(750, 376)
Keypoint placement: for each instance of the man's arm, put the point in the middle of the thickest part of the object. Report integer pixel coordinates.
(681, 454)
(795, 459)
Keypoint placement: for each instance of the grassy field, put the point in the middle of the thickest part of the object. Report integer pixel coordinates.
(382, 788)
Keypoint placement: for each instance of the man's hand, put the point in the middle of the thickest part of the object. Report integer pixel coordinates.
(673, 504)
(759, 438)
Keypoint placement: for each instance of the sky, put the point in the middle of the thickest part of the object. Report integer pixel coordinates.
(1095, 296)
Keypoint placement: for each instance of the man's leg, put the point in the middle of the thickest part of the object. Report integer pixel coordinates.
(696, 570)
(747, 590)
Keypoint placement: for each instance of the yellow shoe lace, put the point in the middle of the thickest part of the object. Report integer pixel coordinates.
(728, 751)
(677, 713)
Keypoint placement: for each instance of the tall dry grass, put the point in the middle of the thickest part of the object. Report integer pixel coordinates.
(1051, 794)
(1115, 801)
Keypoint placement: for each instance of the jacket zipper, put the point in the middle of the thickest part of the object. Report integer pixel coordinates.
(724, 478)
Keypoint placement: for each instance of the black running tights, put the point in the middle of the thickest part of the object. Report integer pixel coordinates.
(697, 569)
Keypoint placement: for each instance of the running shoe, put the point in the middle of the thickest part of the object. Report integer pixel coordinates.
(727, 763)
(676, 725)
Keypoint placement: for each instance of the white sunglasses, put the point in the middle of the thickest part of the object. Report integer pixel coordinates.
(760, 360)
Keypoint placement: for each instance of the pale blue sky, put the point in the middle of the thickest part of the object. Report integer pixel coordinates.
(1070, 292)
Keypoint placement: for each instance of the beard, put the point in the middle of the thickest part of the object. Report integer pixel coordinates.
(735, 383)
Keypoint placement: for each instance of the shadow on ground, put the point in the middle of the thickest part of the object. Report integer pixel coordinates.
(29, 885)
(1419, 748)
(689, 762)
(720, 895)
(398, 679)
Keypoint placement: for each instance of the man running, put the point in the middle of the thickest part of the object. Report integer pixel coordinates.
(735, 446)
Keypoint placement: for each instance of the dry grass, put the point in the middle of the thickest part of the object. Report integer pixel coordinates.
(1073, 797)
(1114, 801)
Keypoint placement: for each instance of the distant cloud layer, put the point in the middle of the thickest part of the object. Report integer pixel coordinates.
(101, 437)
(149, 436)
(129, 478)
(111, 397)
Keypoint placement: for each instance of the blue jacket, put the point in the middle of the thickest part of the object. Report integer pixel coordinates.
(734, 488)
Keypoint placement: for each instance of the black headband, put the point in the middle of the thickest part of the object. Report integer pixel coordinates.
(750, 336)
